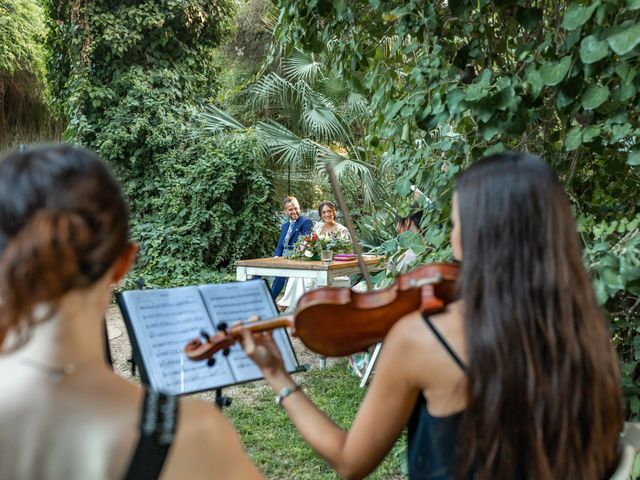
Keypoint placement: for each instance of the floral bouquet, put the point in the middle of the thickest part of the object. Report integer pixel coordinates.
(309, 247)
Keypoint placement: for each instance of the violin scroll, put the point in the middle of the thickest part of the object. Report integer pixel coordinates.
(204, 348)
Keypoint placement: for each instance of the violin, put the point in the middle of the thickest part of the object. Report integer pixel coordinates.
(336, 322)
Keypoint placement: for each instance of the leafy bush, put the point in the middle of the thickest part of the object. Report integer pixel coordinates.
(129, 76)
(211, 207)
(24, 112)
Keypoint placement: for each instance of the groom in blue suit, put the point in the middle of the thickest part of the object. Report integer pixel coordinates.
(291, 229)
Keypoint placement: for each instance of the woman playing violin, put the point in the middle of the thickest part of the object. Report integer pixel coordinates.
(64, 413)
(517, 379)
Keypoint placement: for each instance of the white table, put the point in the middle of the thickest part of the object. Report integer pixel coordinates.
(324, 275)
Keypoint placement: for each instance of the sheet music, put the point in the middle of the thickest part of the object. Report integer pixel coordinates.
(164, 321)
(237, 301)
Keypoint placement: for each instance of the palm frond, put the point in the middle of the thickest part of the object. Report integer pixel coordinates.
(335, 88)
(322, 124)
(272, 92)
(345, 166)
(287, 147)
(216, 120)
(302, 66)
(356, 104)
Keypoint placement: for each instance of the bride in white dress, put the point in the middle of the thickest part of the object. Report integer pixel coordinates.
(326, 226)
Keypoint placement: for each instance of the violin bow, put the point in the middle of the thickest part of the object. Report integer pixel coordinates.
(349, 224)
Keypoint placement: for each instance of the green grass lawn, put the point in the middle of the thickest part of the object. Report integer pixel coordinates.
(275, 445)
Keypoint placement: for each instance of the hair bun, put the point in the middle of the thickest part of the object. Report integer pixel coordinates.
(42, 261)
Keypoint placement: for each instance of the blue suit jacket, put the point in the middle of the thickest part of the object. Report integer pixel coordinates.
(302, 226)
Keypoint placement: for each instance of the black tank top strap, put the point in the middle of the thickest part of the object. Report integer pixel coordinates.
(444, 343)
(157, 430)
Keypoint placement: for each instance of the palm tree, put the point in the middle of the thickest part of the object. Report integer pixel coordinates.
(311, 115)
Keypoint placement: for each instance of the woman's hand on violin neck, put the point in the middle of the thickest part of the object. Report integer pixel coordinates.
(261, 348)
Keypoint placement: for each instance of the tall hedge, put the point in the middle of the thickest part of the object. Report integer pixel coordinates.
(128, 76)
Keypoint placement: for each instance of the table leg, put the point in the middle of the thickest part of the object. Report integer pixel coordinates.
(241, 274)
(371, 364)
(322, 279)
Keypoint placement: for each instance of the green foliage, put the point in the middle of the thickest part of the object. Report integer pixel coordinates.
(208, 211)
(311, 115)
(613, 254)
(22, 32)
(252, 35)
(451, 81)
(129, 76)
(101, 48)
(24, 113)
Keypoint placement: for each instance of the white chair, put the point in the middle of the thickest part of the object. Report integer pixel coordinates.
(629, 448)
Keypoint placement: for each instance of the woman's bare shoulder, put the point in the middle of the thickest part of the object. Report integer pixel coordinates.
(413, 329)
(415, 344)
(207, 446)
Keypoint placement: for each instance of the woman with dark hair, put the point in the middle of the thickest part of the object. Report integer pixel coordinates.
(327, 224)
(516, 380)
(64, 413)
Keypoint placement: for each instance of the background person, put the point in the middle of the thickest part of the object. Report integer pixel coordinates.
(64, 413)
(295, 226)
(410, 223)
(517, 379)
(327, 225)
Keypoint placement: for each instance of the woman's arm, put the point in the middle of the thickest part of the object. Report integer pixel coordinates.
(380, 419)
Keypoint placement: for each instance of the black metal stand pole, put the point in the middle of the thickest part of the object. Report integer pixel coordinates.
(221, 400)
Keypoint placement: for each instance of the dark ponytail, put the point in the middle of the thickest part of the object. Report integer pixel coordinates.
(63, 223)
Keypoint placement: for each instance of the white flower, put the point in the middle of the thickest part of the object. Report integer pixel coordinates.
(308, 253)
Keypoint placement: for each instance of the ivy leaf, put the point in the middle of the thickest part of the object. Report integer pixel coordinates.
(601, 291)
(590, 133)
(577, 15)
(455, 99)
(564, 97)
(626, 72)
(595, 96)
(634, 158)
(573, 139)
(412, 241)
(625, 92)
(592, 49)
(612, 279)
(626, 40)
(535, 80)
(553, 73)
(493, 149)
